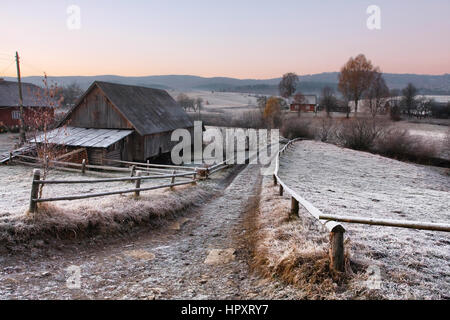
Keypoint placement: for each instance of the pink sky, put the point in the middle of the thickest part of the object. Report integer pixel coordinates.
(243, 39)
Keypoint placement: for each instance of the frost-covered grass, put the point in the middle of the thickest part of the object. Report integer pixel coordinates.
(7, 141)
(413, 263)
(295, 251)
(88, 216)
(291, 250)
(220, 99)
(15, 191)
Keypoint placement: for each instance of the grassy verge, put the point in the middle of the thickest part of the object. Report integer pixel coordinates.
(109, 216)
(295, 251)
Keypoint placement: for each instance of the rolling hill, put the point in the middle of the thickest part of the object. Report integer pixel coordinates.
(428, 84)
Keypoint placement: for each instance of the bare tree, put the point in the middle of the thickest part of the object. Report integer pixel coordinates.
(185, 102)
(288, 85)
(424, 107)
(328, 100)
(71, 93)
(377, 94)
(41, 122)
(409, 98)
(199, 105)
(299, 99)
(394, 105)
(355, 78)
(261, 101)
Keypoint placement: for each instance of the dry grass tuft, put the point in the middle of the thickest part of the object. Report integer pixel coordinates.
(294, 251)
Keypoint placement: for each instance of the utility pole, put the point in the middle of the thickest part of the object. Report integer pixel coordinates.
(22, 138)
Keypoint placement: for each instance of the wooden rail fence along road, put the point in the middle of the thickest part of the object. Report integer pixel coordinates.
(337, 257)
(34, 199)
(331, 222)
(138, 172)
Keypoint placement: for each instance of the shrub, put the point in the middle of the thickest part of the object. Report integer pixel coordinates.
(297, 128)
(14, 129)
(395, 113)
(249, 119)
(325, 131)
(213, 119)
(399, 144)
(446, 143)
(3, 127)
(360, 133)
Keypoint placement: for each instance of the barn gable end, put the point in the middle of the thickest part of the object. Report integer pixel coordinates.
(94, 110)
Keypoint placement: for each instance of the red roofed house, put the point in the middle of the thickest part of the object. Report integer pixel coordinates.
(9, 102)
(308, 104)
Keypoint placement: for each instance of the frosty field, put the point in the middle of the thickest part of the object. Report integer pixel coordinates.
(412, 263)
(15, 192)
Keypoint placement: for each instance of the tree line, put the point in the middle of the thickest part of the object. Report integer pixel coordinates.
(359, 80)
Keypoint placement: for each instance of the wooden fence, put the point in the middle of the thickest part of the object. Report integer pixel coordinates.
(138, 172)
(337, 258)
(83, 167)
(34, 199)
(337, 261)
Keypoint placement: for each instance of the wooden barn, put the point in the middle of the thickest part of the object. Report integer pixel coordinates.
(9, 103)
(121, 122)
(308, 105)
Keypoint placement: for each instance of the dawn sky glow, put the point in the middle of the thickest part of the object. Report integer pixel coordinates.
(243, 39)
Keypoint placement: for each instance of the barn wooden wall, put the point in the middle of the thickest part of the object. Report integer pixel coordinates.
(156, 144)
(95, 111)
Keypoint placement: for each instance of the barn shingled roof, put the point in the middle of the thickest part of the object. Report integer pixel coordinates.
(9, 94)
(148, 110)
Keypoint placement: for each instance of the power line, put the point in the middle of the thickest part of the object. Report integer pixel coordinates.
(32, 67)
(6, 69)
(26, 64)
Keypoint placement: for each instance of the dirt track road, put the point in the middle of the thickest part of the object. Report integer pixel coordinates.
(166, 263)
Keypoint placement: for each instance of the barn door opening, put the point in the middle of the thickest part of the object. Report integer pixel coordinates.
(161, 158)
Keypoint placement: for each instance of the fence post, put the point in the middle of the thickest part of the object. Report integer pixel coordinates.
(83, 166)
(172, 181)
(294, 207)
(275, 180)
(133, 169)
(194, 177)
(138, 185)
(34, 190)
(10, 158)
(337, 258)
(281, 190)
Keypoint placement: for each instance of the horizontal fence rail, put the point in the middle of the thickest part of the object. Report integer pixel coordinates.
(81, 167)
(115, 179)
(77, 165)
(102, 194)
(36, 182)
(390, 223)
(142, 164)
